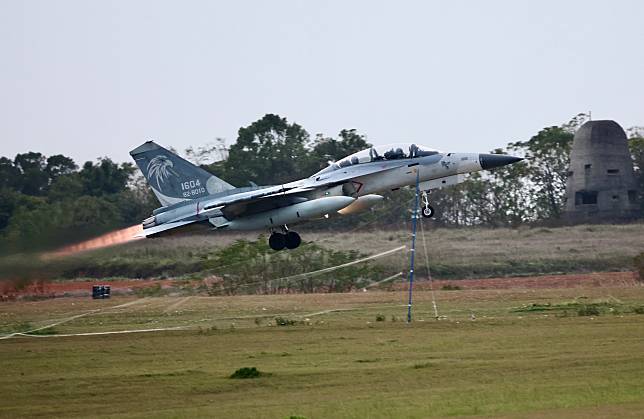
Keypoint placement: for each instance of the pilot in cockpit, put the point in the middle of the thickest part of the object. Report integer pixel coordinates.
(413, 151)
(394, 154)
(373, 155)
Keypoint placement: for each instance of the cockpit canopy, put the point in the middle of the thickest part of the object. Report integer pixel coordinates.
(385, 152)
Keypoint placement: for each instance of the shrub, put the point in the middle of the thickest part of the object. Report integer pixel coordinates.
(27, 328)
(638, 310)
(252, 267)
(366, 361)
(380, 317)
(44, 332)
(206, 330)
(639, 266)
(281, 321)
(246, 372)
(588, 311)
(422, 365)
(450, 287)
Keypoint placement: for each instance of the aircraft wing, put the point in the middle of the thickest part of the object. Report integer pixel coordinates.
(232, 206)
(238, 205)
(351, 172)
(273, 192)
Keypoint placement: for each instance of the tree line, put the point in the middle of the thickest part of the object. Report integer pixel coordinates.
(49, 200)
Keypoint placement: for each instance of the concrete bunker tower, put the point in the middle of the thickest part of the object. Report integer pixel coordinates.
(601, 184)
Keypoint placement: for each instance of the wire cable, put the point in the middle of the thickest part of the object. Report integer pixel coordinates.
(429, 275)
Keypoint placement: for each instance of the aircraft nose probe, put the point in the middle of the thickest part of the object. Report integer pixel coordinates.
(490, 161)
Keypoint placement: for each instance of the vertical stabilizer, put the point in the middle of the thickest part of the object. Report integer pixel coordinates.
(172, 178)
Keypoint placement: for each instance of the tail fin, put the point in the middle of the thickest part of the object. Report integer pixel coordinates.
(172, 178)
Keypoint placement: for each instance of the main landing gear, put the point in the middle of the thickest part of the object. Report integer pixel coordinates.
(288, 239)
(428, 210)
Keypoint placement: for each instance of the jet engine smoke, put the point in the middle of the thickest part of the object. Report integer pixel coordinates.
(112, 238)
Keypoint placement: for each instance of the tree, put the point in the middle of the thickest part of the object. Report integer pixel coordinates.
(59, 165)
(106, 177)
(268, 151)
(468, 203)
(209, 153)
(64, 187)
(511, 193)
(326, 149)
(33, 178)
(548, 158)
(7, 205)
(18, 222)
(38, 224)
(9, 174)
(137, 202)
(636, 146)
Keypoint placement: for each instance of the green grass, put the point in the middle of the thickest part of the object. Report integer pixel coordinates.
(582, 307)
(336, 360)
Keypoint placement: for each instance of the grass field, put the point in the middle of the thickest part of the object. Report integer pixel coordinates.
(500, 353)
(452, 253)
(448, 245)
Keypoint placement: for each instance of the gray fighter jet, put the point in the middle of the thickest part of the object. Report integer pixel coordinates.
(189, 195)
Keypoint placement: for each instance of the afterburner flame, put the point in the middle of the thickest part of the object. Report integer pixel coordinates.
(112, 238)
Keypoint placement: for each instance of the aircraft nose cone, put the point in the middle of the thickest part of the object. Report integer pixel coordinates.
(489, 161)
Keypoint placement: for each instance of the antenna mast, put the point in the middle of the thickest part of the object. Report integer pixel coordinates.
(414, 220)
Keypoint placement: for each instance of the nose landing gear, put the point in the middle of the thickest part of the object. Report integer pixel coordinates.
(428, 210)
(287, 239)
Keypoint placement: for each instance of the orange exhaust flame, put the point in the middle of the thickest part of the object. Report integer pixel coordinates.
(112, 238)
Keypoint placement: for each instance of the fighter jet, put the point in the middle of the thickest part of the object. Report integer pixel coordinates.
(190, 195)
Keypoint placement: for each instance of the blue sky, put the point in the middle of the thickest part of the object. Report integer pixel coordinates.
(90, 79)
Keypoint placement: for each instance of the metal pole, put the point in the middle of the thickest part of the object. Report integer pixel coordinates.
(414, 219)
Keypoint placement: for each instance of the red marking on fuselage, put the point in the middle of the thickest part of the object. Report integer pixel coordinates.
(359, 185)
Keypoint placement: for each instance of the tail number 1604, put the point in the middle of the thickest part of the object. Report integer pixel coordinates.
(192, 187)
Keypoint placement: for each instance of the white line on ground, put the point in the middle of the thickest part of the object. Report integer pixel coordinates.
(114, 332)
(174, 306)
(175, 328)
(77, 316)
(331, 310)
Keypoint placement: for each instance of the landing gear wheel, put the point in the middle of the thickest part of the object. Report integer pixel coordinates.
(293, 240)
(428, 211)
(277, 241)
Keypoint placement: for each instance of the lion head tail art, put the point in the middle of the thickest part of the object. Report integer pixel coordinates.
(160, 169)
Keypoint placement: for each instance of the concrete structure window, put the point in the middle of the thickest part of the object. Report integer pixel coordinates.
(570, 173)
(588, 166)
(632, 196)
(585, 197)
(612, 171)
(615, 197)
